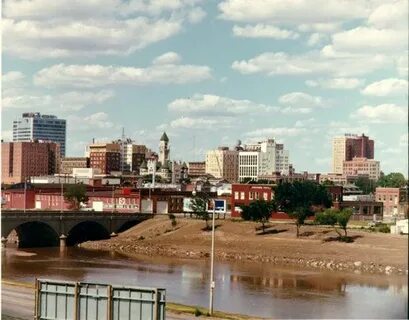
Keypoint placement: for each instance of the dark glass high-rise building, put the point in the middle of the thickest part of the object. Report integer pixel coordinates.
(35, 126)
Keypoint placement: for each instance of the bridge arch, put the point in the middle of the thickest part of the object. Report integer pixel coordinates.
(86, 231)
(34, 234)
(122, 226)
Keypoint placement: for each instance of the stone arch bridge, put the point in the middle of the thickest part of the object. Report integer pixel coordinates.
(53, 228)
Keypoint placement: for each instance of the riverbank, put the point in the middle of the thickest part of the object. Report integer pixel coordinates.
(317, 248)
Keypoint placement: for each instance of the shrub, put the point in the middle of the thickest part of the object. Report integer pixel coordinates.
(198, 313)
(327, 217)
(384, 229)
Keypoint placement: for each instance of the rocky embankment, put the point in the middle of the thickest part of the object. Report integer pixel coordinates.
(371, 253)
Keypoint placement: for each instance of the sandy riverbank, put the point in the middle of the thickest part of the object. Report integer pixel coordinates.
(317, 248)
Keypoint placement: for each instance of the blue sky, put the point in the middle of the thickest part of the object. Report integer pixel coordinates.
(209, 73)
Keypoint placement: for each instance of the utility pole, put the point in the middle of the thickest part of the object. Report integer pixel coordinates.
(62, 196)
(25, 193)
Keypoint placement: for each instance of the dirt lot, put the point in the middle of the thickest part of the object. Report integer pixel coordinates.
(316, 248)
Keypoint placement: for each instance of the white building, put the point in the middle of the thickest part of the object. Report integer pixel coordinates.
(262, 159)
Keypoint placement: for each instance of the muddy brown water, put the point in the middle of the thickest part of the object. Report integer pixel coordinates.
(247, 288)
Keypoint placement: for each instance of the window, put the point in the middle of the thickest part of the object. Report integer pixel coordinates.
(236, 195)
(265, 196)
(242, 195)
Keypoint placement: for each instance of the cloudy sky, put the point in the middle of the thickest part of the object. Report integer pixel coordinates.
(209, 73)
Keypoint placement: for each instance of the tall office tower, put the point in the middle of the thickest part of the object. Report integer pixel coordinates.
(35, 126)
(262, 159)
(22, 160)
(222, 163)
(350, 146)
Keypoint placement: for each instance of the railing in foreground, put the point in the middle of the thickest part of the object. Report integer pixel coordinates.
(81, 300)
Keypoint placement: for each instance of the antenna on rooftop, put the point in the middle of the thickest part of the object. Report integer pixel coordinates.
(123, 133)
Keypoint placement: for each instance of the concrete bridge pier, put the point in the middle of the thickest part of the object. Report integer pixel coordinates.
(63, 241)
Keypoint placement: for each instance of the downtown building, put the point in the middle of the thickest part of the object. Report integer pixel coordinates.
(22, 160)
(262, 159)
(350, 146)
(222, 163)
(131, 155)
(34, 126)
(105, 156)
(362, 167)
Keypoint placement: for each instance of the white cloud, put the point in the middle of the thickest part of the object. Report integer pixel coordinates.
(52, 29)
(336, 83)
(209, 104)
(384, 113)
(276, 132)
(99, 120)
(68, 101)
(316, 39)
(387, 87)
(202, 123)
(280, 63)
(402, 63)
(167, 58)
(98, 75)
(293, 12)
(196, 15)
(12, 78)
(390, 14)
(264, 31)
(320, 27)
(301, 100)
(367, 39)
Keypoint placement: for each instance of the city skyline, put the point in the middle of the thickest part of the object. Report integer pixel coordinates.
(210, 74)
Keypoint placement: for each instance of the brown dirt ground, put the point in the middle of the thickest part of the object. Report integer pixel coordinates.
(241, 241)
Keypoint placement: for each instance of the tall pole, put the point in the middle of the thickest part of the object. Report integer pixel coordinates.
(212, 284)
(25, 194)
(62, 197)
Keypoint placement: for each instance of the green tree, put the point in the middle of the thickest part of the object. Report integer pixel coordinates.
(75, 194)
(300, 199)
(333, 217)
(199, 207)
(259, 211)
(365, 184)
(343, 217)
(327, 217)
(392, 180)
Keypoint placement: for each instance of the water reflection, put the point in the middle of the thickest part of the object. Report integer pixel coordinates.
(255, 289)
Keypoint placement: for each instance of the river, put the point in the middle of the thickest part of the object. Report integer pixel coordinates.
(247, 288)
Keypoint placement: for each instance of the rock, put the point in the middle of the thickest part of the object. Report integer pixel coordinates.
(358, 264)
(388, 269)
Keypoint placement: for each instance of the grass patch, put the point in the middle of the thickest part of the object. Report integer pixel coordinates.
(200, 311)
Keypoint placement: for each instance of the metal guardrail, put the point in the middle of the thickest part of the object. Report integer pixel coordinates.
(91, 301)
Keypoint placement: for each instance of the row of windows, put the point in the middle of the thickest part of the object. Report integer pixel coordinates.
(252, 195)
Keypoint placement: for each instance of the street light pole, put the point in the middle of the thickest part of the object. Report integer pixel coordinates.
(212, 283)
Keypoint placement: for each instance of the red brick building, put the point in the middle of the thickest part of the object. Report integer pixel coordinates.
(21, 160)
(105, 156)
(243, 194)
(359, 147)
